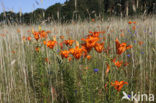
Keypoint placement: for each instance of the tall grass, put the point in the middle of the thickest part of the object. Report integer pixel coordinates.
(25, 77)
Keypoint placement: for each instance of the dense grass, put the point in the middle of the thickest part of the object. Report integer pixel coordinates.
(25, 76)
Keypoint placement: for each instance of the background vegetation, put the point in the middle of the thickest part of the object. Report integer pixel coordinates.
(82, 9)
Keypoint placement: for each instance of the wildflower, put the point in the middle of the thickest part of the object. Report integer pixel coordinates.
(69, 42)
(51, 44)
(99, 47)
(118, 85)
(134, 22)
(77, 52)
(44, 42)
(43, 34)
(108, 68)
(129, 55)
(120, 48)
(96, 70)
(71, 50)
(29, 38)
(36, 35)
(117, 63)
(88, 57)
(65, 54)
(130, 22)
(85, 48)
(90, 42)
(69, 59)
(61, 45)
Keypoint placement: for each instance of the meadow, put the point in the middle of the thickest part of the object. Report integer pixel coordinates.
(80, 62)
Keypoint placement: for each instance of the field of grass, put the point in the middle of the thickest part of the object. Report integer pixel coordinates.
(33, 71)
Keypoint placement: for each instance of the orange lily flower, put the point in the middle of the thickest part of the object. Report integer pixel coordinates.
(118, 85)
(65, 54)
(36, 35)
(108, 68)
(117, 63)
(43, 34)
(71, 50)
(121, 47)
(61, 45)
(88, 57)
(69, 42)
(134, 22)
(29, 38)
(76, 52)
(130, 22)
(51, 44)
(69, 59)
(90, 42)
(99, 47)
(44, 42)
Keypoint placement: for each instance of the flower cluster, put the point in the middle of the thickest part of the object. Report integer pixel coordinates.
(40, 34)
(90, 42)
